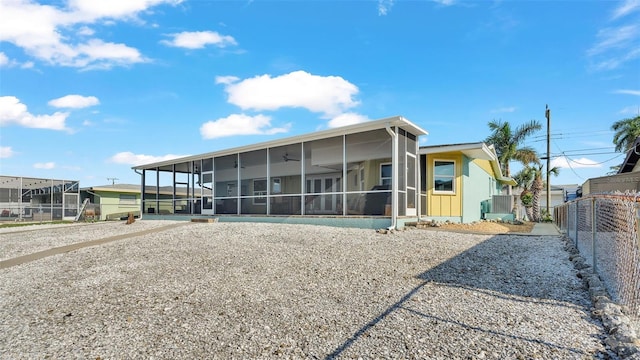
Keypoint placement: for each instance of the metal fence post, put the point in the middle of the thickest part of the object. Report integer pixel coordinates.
(594, 229)
(637, 208)
(576, 219)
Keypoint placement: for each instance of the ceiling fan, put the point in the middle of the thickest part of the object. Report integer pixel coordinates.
(235, 165)
(286, 158)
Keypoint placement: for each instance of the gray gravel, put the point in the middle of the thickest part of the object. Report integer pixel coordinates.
(239, 290)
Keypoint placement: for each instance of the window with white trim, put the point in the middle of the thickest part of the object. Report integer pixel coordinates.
(444, 174)
(127, 199)
(260, 190)
(276, 185)
(385, 174)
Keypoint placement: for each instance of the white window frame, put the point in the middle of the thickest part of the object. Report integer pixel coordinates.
(390, 178)
(127, 199)
(453, 178)
(260, 197)
(276, 189)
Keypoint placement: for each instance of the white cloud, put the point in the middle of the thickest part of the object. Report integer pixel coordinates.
(46, 166)
(6, 152)
(626, 8)
(384, 6)
(240, 124)
(199, 39)
(628, 92)
(634, 109)
(226, 80)
(565, 162)
(328, 95)
(505, 109)
(616, 61)
(444, 2)
(46, 32)
(101, 55)
(347, 119)
(86, 31)
(91, 10)
(616, 45)
(12, 111)
(613, 38)
(4, 60)
(7, 63)
(130, 158)
(74, 101)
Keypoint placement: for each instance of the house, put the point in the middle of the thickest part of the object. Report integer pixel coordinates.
(38, 199)
(463, 183)
(630, 163)
(626, 180)
(363, 175)
(117, 200)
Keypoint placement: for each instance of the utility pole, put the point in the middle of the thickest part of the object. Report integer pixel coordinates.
(547, 114)
(113, 180)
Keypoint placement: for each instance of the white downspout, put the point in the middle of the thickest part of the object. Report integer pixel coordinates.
(143, 189)
(394, 177)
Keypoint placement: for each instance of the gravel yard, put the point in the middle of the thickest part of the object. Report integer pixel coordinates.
(239, 290)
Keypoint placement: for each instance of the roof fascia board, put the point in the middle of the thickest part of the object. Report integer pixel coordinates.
(345, 130)
(450, 148)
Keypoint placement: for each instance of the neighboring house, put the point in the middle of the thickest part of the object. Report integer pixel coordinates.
(362, 175)
(463, 183)
(117, 200)
(559, 195)
(626, 180)
(630, 163)
(38, 199)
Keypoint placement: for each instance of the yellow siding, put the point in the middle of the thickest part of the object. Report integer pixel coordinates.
(444, 204)
(372, 172)
(485, 165)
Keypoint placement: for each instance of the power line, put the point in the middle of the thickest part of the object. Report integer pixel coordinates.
(585, 153)
(598, 163)
(573, 131)
(602, 148)
(570, 134)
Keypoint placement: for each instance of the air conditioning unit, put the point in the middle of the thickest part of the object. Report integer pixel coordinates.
(502, 204)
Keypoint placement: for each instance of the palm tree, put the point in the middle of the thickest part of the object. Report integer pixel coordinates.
(508, 143)
(525, 178)
(536, 188)
(627, 130)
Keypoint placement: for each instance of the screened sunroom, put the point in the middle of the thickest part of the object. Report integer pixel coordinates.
(366, 170)
(38, 199)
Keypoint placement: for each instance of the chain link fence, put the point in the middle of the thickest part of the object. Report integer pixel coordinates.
(604, 228)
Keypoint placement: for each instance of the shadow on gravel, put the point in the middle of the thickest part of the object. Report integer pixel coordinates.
(483, 269)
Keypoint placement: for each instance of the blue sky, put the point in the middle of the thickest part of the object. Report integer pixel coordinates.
(90, 88)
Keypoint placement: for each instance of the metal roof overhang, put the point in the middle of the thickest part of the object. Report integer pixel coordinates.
(631, 159)
(17, 182)
(478, 150)
(182, 164)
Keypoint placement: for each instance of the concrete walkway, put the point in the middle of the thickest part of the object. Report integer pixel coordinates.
(544, 229)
